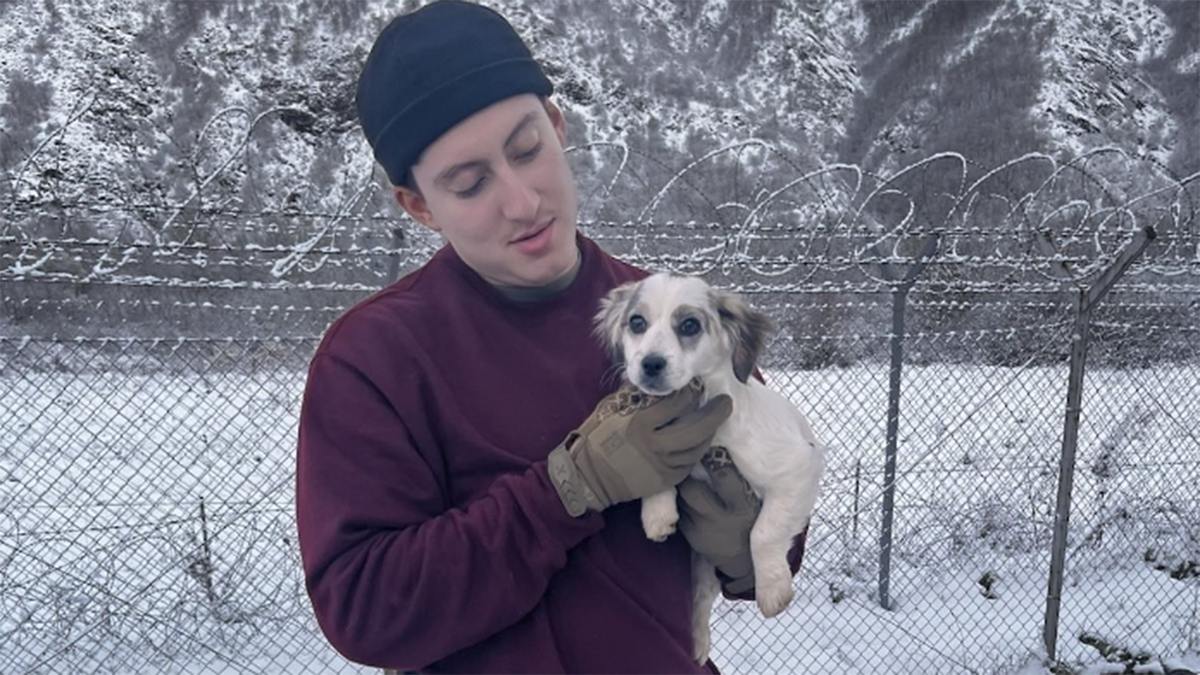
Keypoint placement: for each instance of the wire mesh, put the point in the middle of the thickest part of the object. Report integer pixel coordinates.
(146, 474)
(147, 508)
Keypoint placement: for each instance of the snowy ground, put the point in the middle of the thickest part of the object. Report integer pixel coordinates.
(146, 526)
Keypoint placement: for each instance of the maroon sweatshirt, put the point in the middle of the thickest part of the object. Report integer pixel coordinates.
(431, 537)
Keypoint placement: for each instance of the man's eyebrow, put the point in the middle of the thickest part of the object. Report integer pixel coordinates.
(449, 174)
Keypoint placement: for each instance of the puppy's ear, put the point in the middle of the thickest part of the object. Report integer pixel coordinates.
(610, 321)
(747, 329)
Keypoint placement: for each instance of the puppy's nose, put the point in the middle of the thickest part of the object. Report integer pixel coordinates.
(653, 365)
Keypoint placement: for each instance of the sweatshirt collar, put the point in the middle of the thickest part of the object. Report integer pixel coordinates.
(535, 293)
(562, 290)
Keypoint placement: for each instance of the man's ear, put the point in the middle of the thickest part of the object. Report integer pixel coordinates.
(415, 205)
(557, 120)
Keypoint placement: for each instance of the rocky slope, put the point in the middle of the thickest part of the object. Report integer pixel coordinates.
(250, 104)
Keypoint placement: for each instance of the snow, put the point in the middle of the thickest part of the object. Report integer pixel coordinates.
(1083, 42)
(102, 488)
(1189, 64)
(909, 27)
(974, 40)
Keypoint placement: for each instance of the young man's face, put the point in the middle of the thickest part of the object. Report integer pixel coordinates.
(498, 187)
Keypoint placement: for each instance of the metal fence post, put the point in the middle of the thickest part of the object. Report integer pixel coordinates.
(1085, 300)
(899, 303)
(398, 243)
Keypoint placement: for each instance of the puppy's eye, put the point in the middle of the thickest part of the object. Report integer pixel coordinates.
(637, 325)
(689, 326)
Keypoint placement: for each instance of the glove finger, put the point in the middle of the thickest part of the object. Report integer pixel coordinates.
(670, 407)
(720, 406)
(697, 427)
(699, 497)
(732, 488)
(739, 586)
(711, 415)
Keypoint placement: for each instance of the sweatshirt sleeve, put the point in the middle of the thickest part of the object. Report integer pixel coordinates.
(397, 578)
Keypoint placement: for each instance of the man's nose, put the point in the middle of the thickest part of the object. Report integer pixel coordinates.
(518, 200)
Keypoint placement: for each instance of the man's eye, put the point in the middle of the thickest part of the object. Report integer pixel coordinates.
(529, 154)
(473, 190)
(637, 325)
(689, 327)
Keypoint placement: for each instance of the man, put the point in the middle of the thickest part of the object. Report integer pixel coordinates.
(467, 481)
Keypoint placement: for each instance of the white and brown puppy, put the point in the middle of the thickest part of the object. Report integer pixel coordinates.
(668, 330)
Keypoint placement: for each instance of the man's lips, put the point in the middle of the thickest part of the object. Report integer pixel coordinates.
(536, 231)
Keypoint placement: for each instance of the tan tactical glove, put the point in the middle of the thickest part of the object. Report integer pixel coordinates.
(716, 520)
(634, 445)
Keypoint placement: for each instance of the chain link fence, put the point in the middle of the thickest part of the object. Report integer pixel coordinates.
(149, 418)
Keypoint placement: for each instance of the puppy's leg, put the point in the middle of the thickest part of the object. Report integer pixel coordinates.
(770, 540)
(659, 515)
(705, 588)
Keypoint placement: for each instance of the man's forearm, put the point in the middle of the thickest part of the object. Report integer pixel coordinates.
(415, 595)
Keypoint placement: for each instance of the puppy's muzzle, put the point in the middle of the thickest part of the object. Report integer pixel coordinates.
(652, 374)
(653, 366)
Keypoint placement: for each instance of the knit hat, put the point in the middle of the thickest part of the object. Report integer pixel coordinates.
(433, 68)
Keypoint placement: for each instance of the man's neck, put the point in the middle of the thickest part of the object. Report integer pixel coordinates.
(534, 293)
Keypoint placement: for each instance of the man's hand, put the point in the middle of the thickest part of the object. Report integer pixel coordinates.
(634, 445)
(716, 520)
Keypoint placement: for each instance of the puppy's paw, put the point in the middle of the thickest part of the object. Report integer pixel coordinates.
(773, 597)
(659, 515)
(659, 526)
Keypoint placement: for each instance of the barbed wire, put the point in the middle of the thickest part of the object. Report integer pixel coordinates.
(749, 288)
(208, 306)
(834, 262)
(236, 222)
(163, 341)
(998, 299)
(825, 217)
(180, 283)
(69, 244)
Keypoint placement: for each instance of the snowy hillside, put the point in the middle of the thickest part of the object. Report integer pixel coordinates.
(250, 104)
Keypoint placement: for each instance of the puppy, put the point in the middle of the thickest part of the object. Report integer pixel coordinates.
(668, 330)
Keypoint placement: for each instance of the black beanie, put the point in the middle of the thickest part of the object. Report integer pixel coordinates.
(433, 68)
